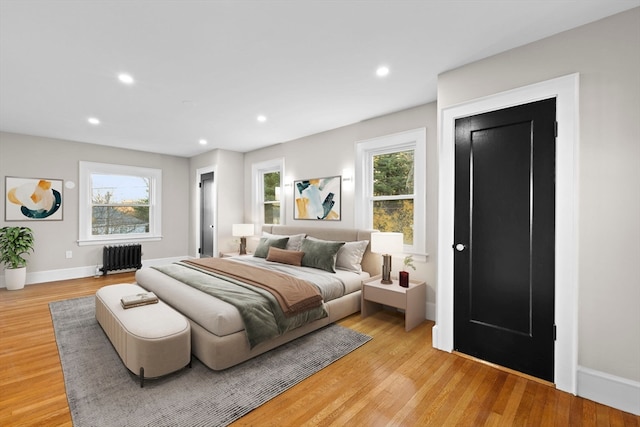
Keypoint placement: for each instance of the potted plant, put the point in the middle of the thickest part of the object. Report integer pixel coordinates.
(408, 262)
(404, 274)
(14, 243)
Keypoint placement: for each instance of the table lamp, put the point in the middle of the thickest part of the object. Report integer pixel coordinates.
(242, 231)
(387, 243)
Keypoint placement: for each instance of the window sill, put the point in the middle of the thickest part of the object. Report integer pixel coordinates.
(416, 257)
(118, 240)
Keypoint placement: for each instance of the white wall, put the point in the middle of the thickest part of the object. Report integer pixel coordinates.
(329, 153)
(606, 56)
(32, 157)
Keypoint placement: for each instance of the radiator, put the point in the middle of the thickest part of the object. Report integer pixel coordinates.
(121, 257)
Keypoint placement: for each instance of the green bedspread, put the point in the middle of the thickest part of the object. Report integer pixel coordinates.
(262, 316)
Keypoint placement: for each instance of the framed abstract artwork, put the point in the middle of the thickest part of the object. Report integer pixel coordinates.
(318, 199)
(32, 199)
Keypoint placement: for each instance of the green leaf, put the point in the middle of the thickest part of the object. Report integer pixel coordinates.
(15, 242)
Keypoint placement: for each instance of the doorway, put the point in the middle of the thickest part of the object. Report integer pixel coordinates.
(566, 90)
(207, 215)
(504, 237)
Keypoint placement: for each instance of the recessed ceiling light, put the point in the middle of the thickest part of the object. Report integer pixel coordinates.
(125, 78)
(262, 118)
(93, 121)
(203, 142)
(382, 71)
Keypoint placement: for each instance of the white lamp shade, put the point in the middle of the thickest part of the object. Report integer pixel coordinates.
(387, 243)
(242, 230)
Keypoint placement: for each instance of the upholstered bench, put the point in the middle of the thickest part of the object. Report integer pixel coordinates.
(152, 340)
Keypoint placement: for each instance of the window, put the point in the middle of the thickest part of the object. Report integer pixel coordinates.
(393, 196)
(390, 190)
(118, 203)
(271, 197)
(267, 178)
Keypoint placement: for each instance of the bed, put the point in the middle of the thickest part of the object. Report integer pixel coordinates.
(219, 338)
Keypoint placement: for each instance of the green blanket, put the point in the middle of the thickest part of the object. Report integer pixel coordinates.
(262, 316)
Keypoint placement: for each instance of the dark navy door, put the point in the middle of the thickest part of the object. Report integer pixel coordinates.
(207, 206)
(505, 237)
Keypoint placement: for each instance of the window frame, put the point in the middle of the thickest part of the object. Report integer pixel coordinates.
(365, 151)
(87, 169)
(258, 170)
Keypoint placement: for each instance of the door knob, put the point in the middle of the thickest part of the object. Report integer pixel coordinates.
(460, 247)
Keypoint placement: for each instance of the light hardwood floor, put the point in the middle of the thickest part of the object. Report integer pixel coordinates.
(397, 379)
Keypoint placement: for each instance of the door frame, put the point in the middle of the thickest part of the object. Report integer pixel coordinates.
(196, 241)
(565, 89)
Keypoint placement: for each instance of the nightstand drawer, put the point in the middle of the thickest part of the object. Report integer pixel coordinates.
(388, 297)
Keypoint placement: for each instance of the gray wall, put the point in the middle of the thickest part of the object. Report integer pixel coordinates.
(329, 153)
(33, 157)
(605, 53)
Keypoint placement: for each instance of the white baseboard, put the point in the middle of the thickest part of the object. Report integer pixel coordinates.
(610, 390)
(434, 336)
(79, 272)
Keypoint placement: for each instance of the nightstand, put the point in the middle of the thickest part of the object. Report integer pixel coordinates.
(413, 300)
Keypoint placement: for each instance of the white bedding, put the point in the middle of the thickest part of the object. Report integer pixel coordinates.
(221, 318)
(330, 285)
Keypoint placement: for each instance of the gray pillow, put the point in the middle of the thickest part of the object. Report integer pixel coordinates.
(320, 254)
(266, 242)
(294, 243)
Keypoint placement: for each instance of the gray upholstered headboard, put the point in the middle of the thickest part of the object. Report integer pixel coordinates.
(371, 262)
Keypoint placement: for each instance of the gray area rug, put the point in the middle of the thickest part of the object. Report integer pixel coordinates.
(102, 392)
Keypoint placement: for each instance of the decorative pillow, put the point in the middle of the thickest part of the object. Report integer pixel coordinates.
(294, 243)
(265, 243)
(350, 256)
(320, 254)
(285, 256)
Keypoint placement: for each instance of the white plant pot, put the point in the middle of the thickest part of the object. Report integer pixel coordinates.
(15, 278)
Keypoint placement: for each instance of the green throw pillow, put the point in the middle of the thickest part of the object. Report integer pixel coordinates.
(320, 254)
(266, 242)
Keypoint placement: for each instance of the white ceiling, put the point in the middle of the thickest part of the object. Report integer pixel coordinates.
(207, 69)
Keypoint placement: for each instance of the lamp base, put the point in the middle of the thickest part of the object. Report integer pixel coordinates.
(386, 270)
(243, 246)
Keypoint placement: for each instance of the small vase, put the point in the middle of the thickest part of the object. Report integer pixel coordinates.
(404, 279)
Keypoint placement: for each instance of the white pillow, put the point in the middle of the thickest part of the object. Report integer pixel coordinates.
(294, 243)
(350, 256)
